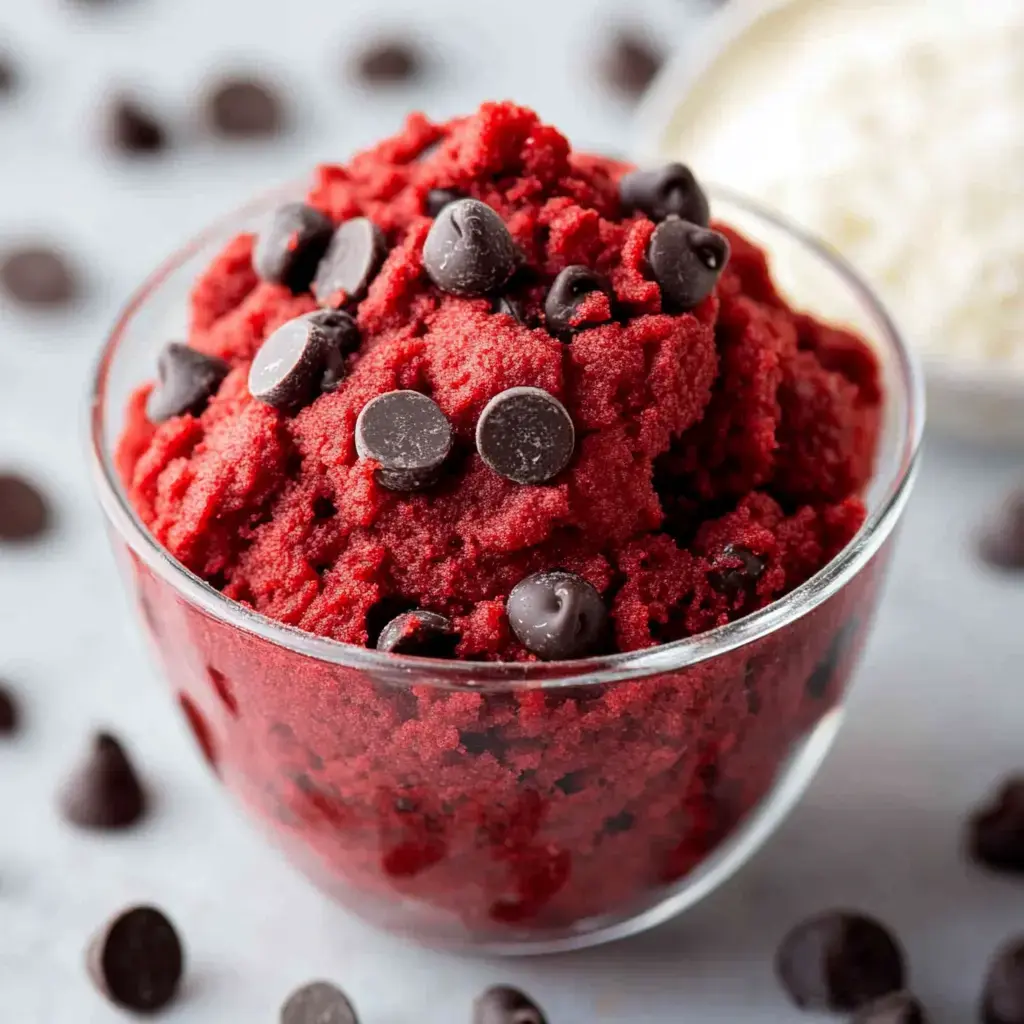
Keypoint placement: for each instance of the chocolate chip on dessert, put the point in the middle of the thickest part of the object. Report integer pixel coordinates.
(132, 129)
(438, 198)
(187, 380)
(318, 1003)
(511, 307)
(469, 251)
(289, 249)
(353, 257)
(24, 511)
(687, 261)
(9, 716)
(996, 832)
(503, 1004)
(734, 580)
(388, 62)
(568, 291)
(409, 436)
(425, 634)
(630, 62)
(302, 358)
(661, 192)
(898, 1008)
(39, 276)
(104, 793)
(820, 681)
(557, 615)
(137, 960)
(839, 961)
(244, 108)
(525, 435)
(1003, 996)
(1001, 544)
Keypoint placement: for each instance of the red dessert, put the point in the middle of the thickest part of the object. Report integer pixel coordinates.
(719, 455)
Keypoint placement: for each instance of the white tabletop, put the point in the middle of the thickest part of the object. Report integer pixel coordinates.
(936, 717)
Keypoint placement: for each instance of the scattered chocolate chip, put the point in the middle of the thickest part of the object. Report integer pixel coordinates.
(187, 380)
(733, 580)
(621, 822)
(568, 291)
(9, 717)
(525, 435)
(557, 615)
(820, 681)
(137, 960)
(318, 1003)
(302, 358)
(425, 634)
(8, 75)
(289, 249)
(662, 192)
(353, 257)
(996, 832)
(898, 1008)
(244, 108)
(839, 961)
(469, 251)
(502, 1004)
(39, 276)
(24, 511)
(132, 129)
(438, 198)
(409, 436)
(630, 62)
(388, 62)
(511, 307)
(1003, 996)
(687, 261)
(1001, 544)
(104, 793)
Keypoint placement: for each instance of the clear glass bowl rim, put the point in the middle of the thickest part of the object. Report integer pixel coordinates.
(503, 676)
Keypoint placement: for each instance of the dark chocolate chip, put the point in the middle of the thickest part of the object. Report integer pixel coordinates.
(388, 62)
(187, 381)
(1001, 544)
(996, 832)
(898, 1008)
(318, 1003)
(557, 615)
(839, 961)
(1003, 996)
(513, 308)
(137, 960)
(244, 108)
(630, 62)
(525, 435)
(302, 358)
(425, 634)
(9, 716)
(104, 792)
(621, 822)
(503, 1004)
(572, 286)
(8, 75)
(37, 275)
(741, 576)
(351, 262)
(132, 129)
(24, 511)
(469, 251)
(438, 198)
(409, 436)
(687, 261)
(289, 249)
(820, 681)
(661, 192)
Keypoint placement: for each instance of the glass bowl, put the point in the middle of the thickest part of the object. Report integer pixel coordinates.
(515, 807)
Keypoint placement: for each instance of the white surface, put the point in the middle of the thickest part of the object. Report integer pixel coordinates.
(937, 717)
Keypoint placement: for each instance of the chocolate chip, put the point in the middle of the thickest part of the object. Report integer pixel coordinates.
(820, 681)
(469, 251)
(621, 822)
(408, 435)
(8, 75)
(104, 792)
(187, 381)
(289, 249)
(739, 578)
(525, 435)
(503, 1004)
(1001, 544)
(302, 358)
(388, 62)
(687, 261)
(438, 198)
(898, 1008)
(132, 129)
(37, 275)
(24, 511)
(996, 832)
(839, 961)
(9, 717)
(244, 108)
(511, 307)
(425, 634)
(557, 615)
(351, 262)
(568, 291)
(630, 62)
(1003, 996)
(661, 192)
(318, 1003)
(137, 960)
